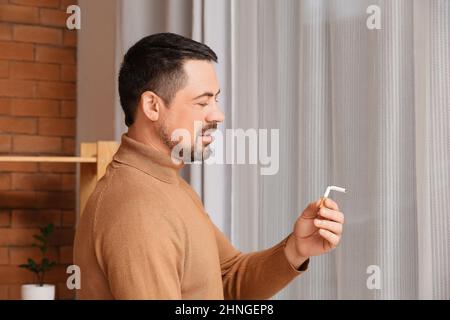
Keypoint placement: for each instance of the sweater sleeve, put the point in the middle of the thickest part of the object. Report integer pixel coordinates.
(142, 256)
(255, 275)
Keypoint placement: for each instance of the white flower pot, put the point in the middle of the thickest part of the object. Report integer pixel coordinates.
(37, 292)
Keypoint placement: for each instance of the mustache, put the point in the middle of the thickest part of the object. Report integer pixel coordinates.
(209, 127)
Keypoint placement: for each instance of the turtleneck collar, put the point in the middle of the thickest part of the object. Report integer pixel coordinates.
(147, 159)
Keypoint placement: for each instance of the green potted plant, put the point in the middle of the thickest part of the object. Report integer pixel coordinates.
(40, 290)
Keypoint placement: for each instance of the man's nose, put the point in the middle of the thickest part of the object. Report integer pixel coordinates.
(216, 115)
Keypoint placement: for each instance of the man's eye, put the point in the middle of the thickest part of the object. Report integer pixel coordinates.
(203, 104)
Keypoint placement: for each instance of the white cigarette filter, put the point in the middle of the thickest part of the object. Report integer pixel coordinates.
(327, 192)
(334, 188)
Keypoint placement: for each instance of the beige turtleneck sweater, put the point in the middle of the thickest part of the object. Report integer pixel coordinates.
(145, 235)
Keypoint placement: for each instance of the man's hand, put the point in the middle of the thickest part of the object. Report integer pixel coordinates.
(315, 232)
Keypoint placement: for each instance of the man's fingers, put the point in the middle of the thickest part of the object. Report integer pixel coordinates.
(332, 215)
(330, 237)
(332, 226)
(314, 206)
(310, 211)
(329, 203)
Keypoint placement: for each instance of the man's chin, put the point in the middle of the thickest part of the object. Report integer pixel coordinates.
(200, 156)
(194, 155)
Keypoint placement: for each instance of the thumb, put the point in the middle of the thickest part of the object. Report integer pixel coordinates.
(311, 210)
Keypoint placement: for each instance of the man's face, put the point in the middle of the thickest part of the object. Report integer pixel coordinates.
(196, 103)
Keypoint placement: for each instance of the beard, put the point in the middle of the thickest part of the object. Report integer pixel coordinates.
(199, 152)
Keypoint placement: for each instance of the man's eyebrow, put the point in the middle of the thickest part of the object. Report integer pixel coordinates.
(207, 94)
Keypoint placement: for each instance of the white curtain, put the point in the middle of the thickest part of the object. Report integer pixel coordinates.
(364, 109)
(343, 97)
(437, 148)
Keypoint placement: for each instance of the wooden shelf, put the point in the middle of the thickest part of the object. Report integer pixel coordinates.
(48, 159)
(94, 158)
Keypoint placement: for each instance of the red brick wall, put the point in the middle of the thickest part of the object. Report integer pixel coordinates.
(37, 117)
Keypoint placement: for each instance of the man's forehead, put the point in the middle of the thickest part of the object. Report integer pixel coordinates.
(201, 77)
(199, 69)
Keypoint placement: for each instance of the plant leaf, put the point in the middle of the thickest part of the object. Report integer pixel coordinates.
(31, 262)
(39, 237)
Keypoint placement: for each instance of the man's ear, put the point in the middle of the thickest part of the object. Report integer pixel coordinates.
(150, 104)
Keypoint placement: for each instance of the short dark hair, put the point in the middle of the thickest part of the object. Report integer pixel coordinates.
(155, 63)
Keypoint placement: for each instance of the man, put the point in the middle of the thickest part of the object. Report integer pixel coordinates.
(144, 233)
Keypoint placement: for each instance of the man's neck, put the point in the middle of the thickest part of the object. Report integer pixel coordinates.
(148, 138)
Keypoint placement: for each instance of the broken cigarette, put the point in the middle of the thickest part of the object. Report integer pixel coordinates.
(327, 192)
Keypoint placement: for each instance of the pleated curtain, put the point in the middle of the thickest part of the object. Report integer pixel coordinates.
(361, 108)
